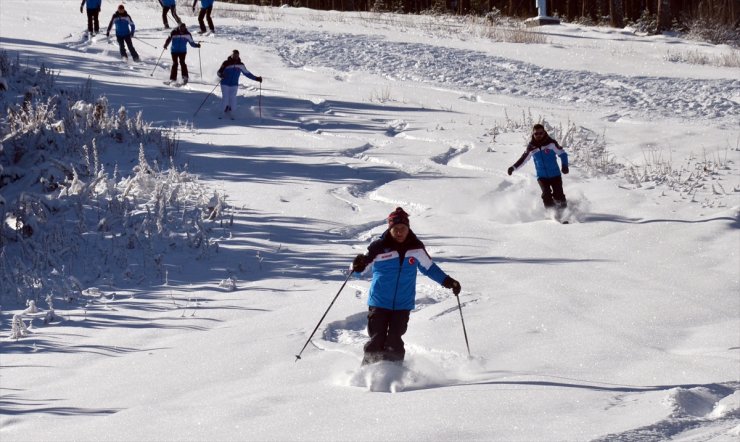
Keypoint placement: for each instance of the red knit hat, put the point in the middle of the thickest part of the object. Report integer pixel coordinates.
(398, 216)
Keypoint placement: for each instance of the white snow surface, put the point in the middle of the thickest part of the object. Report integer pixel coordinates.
(623, 325)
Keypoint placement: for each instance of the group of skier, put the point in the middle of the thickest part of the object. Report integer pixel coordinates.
(397, 255)
(179, 39)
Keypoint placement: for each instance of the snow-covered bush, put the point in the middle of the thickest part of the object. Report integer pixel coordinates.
(71, 215)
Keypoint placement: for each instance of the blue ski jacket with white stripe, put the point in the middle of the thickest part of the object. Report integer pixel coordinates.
(394, 267)
(180, 40)
(123, 22)
(544, 153)
(230, 70)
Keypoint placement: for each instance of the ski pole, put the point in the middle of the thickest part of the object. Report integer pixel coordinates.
(157, 63)
(463, 324)
(148, 44)
(260, 102)
(298, 356)
(200, 62)
(204, 101)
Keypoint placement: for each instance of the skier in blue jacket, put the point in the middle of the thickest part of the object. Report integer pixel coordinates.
(229, 74)
(167, 6)
(206, 6)
(180, 39)
(93, 10)
(395, 259)
(544, 151)
(125, 29)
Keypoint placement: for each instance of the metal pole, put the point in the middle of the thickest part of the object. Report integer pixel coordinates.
(204, 101)
(157, 63)
(200, 63)
(298, 356)
(148, 44)
(463, 324)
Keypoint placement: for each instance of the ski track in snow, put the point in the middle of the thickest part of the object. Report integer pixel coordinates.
(474, 70)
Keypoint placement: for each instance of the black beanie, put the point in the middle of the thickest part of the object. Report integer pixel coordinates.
(398, 216)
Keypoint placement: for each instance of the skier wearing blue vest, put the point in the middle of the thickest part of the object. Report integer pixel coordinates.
(206, 6)
(544, 151)
(180, 39)
(167, 6)
(395, 258)
(125, 29)
(93, 10)
(229, 74)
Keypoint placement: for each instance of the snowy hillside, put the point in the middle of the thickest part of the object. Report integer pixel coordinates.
(183, 290)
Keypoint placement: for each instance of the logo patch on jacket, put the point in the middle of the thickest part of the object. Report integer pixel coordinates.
(412, 261)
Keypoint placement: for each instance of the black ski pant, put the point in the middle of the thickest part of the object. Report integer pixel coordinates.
(552, 192)
(165, 10)
(385, 327)
(93, 25)
(127, 40)
(205, 12)
(178, 58)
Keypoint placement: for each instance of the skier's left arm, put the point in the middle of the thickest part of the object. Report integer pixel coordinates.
(430, 269)
(248, 74)
(192, 42)
(559, 151)
(133, 26)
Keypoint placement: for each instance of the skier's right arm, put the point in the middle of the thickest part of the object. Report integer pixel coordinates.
(167, 42)
(520, 162)
(82, 5)
(194, 3)
(110, 25)
(359, 264)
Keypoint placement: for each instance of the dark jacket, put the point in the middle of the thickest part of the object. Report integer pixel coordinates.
(230, 70)
(124, 24)
(394, 269)
(545, 153)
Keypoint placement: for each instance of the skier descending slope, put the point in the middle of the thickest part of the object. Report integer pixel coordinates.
(180, 39)
(93, 11)
(395, 258)
(125, 29)
(229, 73)
(544, 151)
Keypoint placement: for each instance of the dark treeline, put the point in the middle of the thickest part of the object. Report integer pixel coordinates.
(667, 13)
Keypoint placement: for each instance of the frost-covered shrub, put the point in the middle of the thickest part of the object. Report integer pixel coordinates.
(69, 220)
(712, 31)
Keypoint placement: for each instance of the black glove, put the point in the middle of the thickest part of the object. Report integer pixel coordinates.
(450, 283)
(132, 35)
(565, 170)
(80, 9)
(107, 34)
(193, 8)
(197, 45)
(259, 79)
(359, 264)
(510, 170)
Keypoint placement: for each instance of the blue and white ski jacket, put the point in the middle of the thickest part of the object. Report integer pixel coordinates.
(230, 70)
(544, 153)
(168, 3)
(394, 269)
(124, 24)
(93, 4)
(180, 41)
